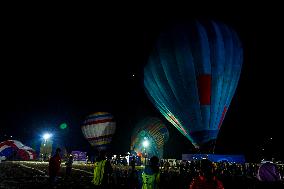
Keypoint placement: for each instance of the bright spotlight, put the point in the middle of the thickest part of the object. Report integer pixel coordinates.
(145, 143)
(46, 136)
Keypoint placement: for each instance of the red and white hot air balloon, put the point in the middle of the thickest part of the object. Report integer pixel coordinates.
(98, 129)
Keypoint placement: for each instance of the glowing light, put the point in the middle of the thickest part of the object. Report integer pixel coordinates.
(46, 136)
(145, 143)
(63, 126)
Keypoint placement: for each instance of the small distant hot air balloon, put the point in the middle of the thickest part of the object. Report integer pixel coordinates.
(155, 132)
(98, 129)
(192, 75)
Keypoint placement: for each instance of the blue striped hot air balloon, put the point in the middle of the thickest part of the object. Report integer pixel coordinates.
(98, 129)
(192, 75)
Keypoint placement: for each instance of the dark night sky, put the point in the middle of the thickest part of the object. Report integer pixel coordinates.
(58, 69)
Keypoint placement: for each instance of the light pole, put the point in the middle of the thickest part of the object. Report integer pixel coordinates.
(145, 145)
(46, 145)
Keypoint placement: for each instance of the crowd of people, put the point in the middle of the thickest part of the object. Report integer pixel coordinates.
(192, 175)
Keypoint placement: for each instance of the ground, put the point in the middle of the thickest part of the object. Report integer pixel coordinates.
(22, 175)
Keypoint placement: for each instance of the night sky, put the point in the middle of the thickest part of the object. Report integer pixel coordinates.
(60, 69)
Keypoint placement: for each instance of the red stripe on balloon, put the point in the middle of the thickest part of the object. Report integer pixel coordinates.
(222, 117)
(99, 121)
(100, 137)
(204, 89)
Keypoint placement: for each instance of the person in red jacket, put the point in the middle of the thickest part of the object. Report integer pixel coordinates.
(206, 179)
(54, 165)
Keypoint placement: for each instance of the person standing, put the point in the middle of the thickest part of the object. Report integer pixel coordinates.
(133, 176)
(206, 179)
(151, 175)
(69, 165)
(54, 166)
(102, 171)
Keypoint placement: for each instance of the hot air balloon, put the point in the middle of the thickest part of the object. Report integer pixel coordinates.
(16, 150)
(153, 130)
(98, 129)
(192, 75)
(6, 150)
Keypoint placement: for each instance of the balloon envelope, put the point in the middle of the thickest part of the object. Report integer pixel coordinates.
(192, 75)
(98, 129)
(155, 132)
(16, 149)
